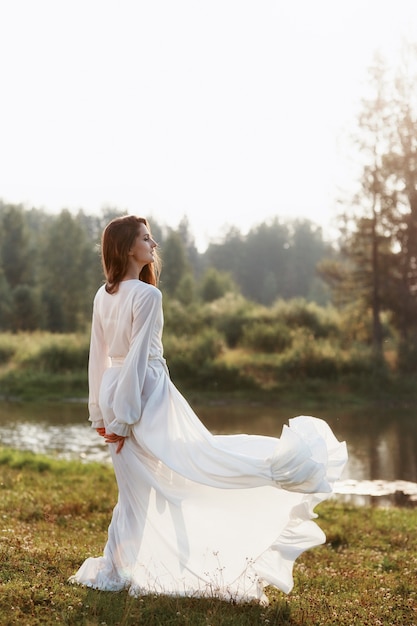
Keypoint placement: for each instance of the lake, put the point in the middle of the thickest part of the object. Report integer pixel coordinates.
(382, 443)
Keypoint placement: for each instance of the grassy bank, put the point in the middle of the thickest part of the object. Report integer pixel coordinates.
(55, 513)
(45, 366)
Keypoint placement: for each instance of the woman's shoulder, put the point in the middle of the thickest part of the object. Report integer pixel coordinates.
(142, 287)
(137, 289)
(146, 290)
(99, 293)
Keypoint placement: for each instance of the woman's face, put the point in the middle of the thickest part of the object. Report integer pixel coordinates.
(143, 247)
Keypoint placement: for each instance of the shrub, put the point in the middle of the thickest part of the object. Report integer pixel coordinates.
(181, 319)
(58, 354)
(298, 313)
(355, 325)
(322, 358)
(266, 336)
(359, 360)
(229, 316)
(223, 376)
(7, 348)
(407, 357)
(187, 355)
(215, 285)
(310, 358)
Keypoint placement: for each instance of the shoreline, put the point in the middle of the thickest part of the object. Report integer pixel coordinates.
(317, 394)
(364, 492)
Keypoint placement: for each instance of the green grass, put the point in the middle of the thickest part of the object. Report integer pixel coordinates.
(53, 514)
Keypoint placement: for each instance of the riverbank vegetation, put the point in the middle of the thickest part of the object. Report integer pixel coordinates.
(54, 513)
(227, 346)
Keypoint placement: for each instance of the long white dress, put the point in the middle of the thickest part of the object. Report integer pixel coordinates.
(197, 514)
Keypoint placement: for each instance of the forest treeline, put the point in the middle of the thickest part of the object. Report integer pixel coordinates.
(364, 285)
(50, 265)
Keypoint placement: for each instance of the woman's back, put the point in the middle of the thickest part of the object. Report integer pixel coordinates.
(123, 313)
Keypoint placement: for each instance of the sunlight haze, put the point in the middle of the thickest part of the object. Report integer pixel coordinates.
(230, 112)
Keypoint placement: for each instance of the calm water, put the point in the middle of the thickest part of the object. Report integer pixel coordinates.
(382, 466)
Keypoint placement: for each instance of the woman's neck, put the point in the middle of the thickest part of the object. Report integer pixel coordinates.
(133, 271)
(130, 276)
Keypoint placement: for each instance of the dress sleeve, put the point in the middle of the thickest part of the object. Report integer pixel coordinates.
(98, 362)
(127, 403)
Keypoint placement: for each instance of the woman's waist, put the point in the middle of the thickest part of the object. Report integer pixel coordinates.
(117, 361)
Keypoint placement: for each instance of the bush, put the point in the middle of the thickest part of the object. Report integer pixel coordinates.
(323, 358)
(181, 319)
(58, 354)
(266, 336)
(298, 313)
(407, 357)
(310, 358)
(226, 377)
(187, 355)
(7, 348)
(215, 285)
(32, 385)
(229, 316)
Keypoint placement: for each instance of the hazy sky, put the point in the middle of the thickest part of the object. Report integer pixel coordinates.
(227, 111)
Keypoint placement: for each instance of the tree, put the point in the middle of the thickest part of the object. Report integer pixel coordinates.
(274, 260)
(215, 285)
(266, 250)
(379, 236)
(188, 241)
(5, 303)
(306, 248)
(64, 276)
(26, 308)
(14, 246)
(227, 254)
(401, 163)
(186, 289)
(372, 233)
(174, 263)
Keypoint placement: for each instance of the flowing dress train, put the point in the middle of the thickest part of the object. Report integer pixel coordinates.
(197, 514)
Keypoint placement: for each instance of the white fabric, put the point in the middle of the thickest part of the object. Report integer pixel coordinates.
(197, 514)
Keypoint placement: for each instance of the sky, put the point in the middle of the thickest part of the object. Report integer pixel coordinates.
(228, 112)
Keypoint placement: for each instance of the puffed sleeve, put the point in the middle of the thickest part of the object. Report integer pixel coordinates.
(98, 362)
(127, 408)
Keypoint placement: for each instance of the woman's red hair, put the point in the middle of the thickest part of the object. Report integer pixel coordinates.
(117, 239)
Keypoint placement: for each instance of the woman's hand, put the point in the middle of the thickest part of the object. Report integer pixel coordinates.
(113, 438)
(101, 431)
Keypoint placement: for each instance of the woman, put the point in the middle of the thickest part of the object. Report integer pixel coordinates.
(197, 514)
